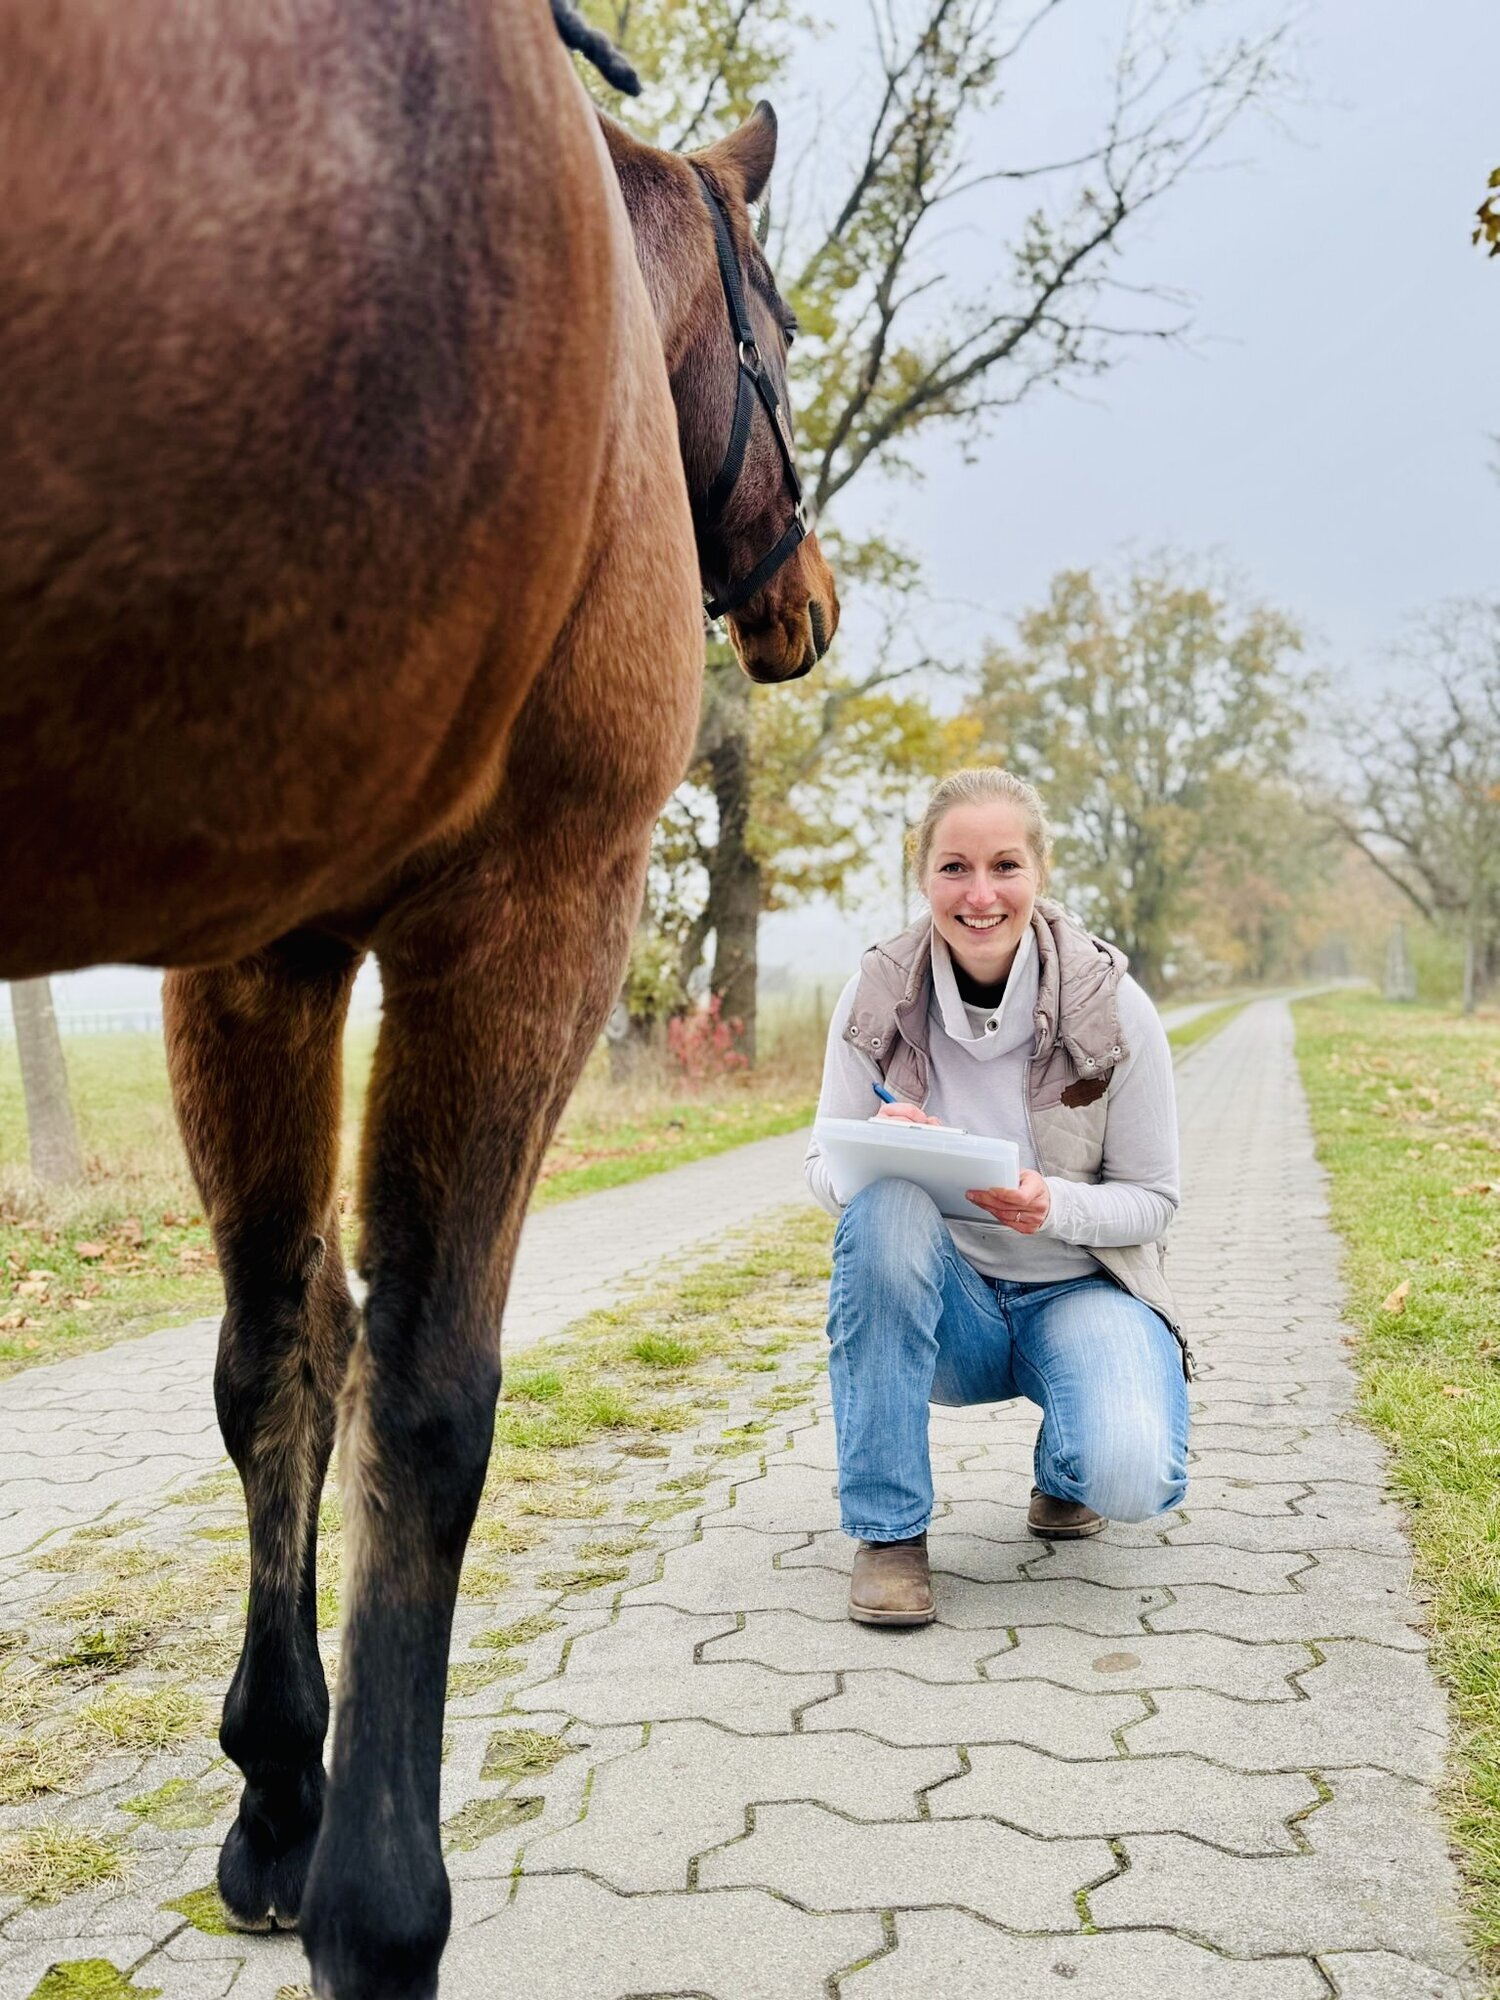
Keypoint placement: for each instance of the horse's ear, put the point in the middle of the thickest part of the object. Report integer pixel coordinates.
(747, 156)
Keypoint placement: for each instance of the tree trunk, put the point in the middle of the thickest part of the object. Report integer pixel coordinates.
(734, 889)
(55, 1152)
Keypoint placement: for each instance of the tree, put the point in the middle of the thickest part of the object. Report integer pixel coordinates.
(896, 344)
(1424, 804)
(50, 1126)
(1155, 714)
(1487, 217)
(828, 773)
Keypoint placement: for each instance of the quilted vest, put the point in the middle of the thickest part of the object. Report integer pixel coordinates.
(1077, 1047)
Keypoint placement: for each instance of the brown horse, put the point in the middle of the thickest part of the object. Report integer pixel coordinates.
(349, 604)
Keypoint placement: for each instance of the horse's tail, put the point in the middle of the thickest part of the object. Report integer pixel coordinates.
(595, 48)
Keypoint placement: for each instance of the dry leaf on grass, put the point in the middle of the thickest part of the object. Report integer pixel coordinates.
(1476, 1187)
(1453, 1389)
(1396, 1303)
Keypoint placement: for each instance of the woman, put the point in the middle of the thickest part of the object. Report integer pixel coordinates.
(1002, 1015)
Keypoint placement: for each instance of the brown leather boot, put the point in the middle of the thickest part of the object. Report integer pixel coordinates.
(891, 1584)
(1054, 1520)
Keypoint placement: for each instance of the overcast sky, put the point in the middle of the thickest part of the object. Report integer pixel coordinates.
(1328, 433)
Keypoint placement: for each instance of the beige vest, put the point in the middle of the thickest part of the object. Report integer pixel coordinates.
(1078, 1043)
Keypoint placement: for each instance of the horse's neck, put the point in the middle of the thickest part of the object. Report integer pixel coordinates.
(651, 184)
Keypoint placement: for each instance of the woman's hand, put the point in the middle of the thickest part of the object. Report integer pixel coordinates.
(906, 1114)
(1024, 1208)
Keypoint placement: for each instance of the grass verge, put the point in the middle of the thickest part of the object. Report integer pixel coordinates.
(129, 1247)
(1405, 1105)
(1202, 1026)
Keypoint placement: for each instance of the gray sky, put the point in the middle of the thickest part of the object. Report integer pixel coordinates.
(1329, 432)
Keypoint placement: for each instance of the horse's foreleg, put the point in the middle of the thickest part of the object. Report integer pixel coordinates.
(495, 990)
(254, 1050)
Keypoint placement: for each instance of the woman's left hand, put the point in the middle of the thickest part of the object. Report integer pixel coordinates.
(1024, 1208)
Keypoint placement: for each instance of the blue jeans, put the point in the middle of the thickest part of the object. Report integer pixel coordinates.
(911, 1322)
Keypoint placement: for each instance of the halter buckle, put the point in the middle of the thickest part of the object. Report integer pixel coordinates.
(749, 357)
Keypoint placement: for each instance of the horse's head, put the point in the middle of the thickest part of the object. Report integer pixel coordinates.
(726, 331)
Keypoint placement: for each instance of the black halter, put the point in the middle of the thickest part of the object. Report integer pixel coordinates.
(754, 380)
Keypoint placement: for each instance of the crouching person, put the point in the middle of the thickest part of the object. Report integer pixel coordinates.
(1000, 1014)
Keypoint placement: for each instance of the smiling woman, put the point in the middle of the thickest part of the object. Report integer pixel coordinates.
(1001, 1014)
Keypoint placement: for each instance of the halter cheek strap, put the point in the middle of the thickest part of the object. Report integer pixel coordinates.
(753, 381)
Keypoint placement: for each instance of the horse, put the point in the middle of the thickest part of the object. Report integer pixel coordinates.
(376, 416)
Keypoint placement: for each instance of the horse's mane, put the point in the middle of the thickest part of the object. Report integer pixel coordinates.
(595, 48)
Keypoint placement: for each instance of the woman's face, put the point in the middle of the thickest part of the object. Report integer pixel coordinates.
(982, 883)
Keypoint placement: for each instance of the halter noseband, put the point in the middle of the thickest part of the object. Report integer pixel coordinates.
(754, 380)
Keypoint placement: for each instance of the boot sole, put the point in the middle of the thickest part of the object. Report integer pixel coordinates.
(863, 1617)
(1067, 1534)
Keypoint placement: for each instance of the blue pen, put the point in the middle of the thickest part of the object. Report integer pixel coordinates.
(883, 1094)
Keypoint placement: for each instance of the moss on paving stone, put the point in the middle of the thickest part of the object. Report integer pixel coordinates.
(503, 1637)
(103, 1651)
(584, 1576)
(204, 1911)
(180, 1805)
(482, 1819)
(522, 1753)
(471, 1677)
(89, 1979)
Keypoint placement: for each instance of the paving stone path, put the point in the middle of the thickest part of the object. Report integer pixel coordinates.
(78, 1437)
(1190, 1760)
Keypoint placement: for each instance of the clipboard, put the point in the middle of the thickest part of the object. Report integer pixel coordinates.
(939, 1159)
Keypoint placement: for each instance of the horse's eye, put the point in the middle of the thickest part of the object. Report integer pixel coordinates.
(789, 330)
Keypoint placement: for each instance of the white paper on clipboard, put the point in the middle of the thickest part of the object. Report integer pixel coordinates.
(942, 1162)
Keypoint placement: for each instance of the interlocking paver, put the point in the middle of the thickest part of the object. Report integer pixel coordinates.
(898, 1709)
(566, 1938)
(1250, 1672)
(1367, 1884)
(1365, 1705)
(828, 1863)
(642, 1669)
(1110, 1796)
(688, 1790)
(1381, 1975)
(952, 1956)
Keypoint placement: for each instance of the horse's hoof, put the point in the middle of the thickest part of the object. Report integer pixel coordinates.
(261, 1890)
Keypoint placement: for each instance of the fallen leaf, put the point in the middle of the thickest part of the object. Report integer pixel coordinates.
(170, 1219)
(1453, 1389)
(88, 1251)
(32, 1288)
(1477, 1187)
(130, 1230)
(11, 1321)
(1396, 1303)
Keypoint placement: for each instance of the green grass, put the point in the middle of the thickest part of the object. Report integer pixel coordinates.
(50, 1862)
(1202, 1026)
(129, 1248)
(1405, 1106)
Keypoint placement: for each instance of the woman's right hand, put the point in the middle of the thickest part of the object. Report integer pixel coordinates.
(906, 1114)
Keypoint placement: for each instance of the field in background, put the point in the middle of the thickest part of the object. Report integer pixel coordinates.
(1405, 1104)
(128, 1248)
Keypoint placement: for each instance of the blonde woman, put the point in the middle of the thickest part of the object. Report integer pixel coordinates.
(1000, 1013)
